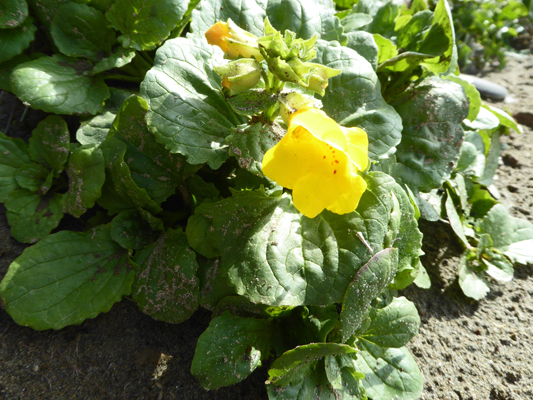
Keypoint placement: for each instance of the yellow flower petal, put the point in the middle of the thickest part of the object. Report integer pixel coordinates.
(357, 146)
(319, 161)
(349, 199)
(320, 126)
(217, 34)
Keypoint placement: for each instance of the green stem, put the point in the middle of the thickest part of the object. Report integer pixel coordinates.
(146, 57)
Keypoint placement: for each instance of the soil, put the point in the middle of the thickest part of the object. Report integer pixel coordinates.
(465, 349)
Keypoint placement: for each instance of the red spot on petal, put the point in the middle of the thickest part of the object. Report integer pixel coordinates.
(324, 156)
(336, 161)
(334, 172)
(333, 151)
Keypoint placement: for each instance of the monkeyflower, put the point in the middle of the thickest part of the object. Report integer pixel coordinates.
(233, 40)
(319, 160)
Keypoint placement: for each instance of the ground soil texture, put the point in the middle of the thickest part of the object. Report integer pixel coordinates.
(466, 349)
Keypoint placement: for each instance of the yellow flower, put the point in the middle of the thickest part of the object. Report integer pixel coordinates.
(233, 40)
(319, 160)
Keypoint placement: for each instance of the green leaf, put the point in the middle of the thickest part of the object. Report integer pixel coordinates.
(474, 98)
(293, 365)
(393, 326)
(249, 144)
(499, 268)
(354, 98)
(187, 111)
(120, 192)
(94, 130)
(365, 45)
(304, 17)
(131, 231)
(118, 59)
(81, 31)
(145, 24)
(50, 143)
(353, 21)
(60, 85)
(511, 236)
(15, 41)
(32, 217)
(152, 167)
(12, 13)
(369, 281)
(504, 118)
(14, 155)
(44, 9)
(230, 349)
(274, 255)
(431, 140)
(485, 120)
(473, 283)
(201, 190)
(383, 15)
(389, 373)
(387, 49)
(166, 286)
(32, 177)
(492, 160)
(442, 28)
(455, 220)
(86, 173)
(66, 278)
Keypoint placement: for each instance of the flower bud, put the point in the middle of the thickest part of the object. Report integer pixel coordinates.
(233, 40)
(240, 75)
(318, 81)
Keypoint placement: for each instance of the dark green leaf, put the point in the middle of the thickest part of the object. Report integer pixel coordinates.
(145, 24)
(86, 172)
(249, 144)
(354, 98)
(118, 59)
(32, 217)
(455, 220)
(94, 130)
(393, 326)
(252, 101)
(389, 373)
(32, 177)
(369, 281)
(187, 111)
(364, 44)
(166, 286)
(14, 155)
(120, 192)
(60, 85)
(294, 365)
(131, 231)
(431, 139)
(81, 31)
(274, 255)
(65, 279)
(152, 167)
(304, 17)
(230, 349)
(50, 143)
(15, 41)
(12, 13)
(474, 98)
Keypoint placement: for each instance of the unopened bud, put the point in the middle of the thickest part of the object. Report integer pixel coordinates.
(233, 40)
(239, 75)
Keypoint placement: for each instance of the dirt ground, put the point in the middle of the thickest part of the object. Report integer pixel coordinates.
(466, 349)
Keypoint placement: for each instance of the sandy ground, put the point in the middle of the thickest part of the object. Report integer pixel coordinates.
(466, 349)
